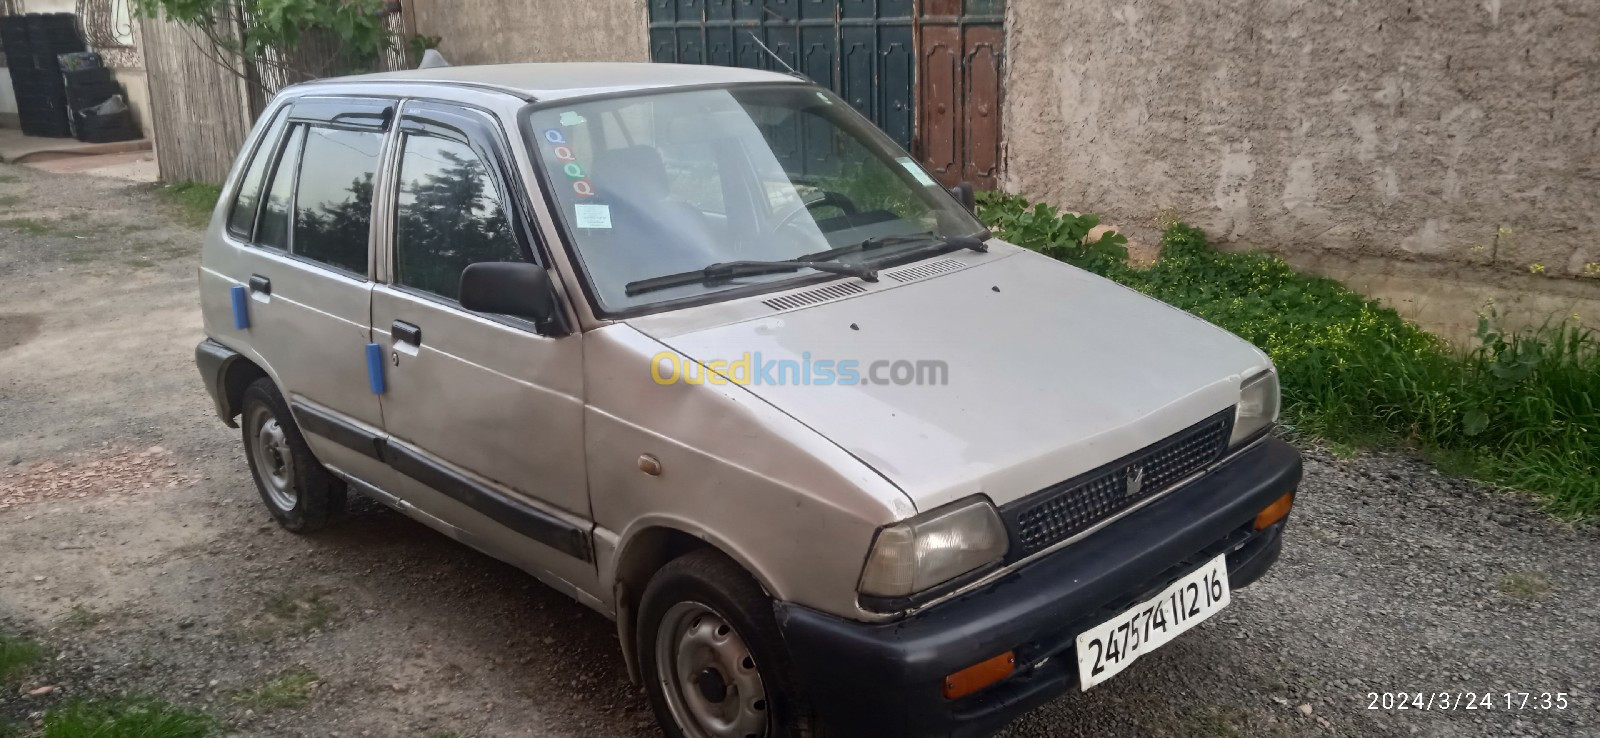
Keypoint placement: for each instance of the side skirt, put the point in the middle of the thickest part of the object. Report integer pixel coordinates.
(519, 516)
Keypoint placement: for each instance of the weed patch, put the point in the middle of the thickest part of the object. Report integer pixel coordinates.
(81, 617)
(193, 199)
(127, 717)
(1519, 410)
(28, 226)
(17, 655)
(302, 611)
(292, 689)
(1525, 585)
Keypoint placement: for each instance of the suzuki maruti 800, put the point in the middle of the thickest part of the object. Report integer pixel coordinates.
(703, 349)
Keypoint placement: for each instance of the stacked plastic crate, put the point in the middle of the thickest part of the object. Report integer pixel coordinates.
(32, 44)
(98, 110)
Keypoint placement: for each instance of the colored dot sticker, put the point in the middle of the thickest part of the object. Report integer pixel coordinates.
(555, 136)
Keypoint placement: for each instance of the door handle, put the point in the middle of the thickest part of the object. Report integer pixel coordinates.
(260, 284)
(406, 332)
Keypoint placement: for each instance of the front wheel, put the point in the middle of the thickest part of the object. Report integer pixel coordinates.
(712, 658)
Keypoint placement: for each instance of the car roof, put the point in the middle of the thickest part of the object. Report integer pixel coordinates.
(556, 81)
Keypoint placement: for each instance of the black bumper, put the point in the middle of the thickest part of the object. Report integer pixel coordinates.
(887, 679)
(213, 360)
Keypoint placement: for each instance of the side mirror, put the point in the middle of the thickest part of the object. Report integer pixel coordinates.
(966, 196)
(513, 288)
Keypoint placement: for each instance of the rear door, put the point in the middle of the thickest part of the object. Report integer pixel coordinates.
(482, 411)
(301, 225)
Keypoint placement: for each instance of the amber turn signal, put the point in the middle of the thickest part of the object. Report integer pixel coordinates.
(979, 675)
(1275, 512)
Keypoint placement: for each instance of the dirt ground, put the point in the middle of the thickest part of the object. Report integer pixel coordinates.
(134, 546)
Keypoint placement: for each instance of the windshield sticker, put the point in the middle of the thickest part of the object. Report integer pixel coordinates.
(571, 118)
(589, 215)
(555, 136)
(916, 171)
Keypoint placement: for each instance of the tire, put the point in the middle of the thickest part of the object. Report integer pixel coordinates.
(301, 495)
(705, 599)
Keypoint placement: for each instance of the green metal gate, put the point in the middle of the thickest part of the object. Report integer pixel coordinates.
(926, 71)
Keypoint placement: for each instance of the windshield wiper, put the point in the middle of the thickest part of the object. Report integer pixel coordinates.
(723, 271)
(976, 243)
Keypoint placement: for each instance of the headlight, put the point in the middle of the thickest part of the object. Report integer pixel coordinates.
(913, 555)
(1257, 408)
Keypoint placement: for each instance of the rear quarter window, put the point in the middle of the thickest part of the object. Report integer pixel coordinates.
(242, 216)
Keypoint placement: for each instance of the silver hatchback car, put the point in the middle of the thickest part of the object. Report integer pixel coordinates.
(705, 350)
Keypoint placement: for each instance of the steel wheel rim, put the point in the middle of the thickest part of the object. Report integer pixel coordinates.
(699, 657)
(269, 446)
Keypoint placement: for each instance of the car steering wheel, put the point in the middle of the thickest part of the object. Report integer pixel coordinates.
(828, 198)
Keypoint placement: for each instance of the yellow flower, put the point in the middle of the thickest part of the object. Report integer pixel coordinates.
(1536, 268)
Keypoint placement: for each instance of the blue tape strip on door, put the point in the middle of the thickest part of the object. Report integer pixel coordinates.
(375, 368)
(241, 307)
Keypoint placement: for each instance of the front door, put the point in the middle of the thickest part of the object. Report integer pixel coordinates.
(484, 414)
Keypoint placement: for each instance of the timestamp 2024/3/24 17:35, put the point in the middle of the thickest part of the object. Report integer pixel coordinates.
(1468, 700)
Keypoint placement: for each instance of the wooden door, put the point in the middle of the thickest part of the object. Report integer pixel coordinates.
(960, 56)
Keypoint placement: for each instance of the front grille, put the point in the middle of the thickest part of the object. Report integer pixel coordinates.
(1064, 510)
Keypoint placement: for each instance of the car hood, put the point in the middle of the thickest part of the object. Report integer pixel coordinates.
(1049, 372)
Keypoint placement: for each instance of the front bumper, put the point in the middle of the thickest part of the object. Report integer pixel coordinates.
(886, 679)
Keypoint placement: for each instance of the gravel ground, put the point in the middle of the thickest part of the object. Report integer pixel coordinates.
(1393, 579)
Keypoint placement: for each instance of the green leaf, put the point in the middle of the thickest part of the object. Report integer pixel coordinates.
(1475, 422)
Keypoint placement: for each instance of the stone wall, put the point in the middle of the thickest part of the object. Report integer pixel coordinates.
(505, 31)
(1461, 136)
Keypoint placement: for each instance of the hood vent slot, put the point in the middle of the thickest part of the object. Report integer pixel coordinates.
(924, 271)
(813, 297)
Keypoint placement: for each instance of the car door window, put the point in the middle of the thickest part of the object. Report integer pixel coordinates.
(242, 216)
(449, 214)
(273, 230)
(333, 206)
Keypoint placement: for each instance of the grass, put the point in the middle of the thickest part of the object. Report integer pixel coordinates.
(29, 226)
(307, 611)
(1518, 410)
(1525, 585)
(7, 201)
(126, 717)
(194, 200)
(82, 617)
(291, 689)
(17, 655)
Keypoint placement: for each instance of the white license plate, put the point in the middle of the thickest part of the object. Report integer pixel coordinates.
(1108, 648)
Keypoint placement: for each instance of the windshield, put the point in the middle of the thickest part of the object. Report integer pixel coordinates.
(659, 184)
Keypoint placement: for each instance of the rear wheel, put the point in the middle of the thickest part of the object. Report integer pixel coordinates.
(301, 495)
(713, 661)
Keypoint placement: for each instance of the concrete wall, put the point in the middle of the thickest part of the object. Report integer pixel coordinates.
(503, 31)
(1461, 136)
